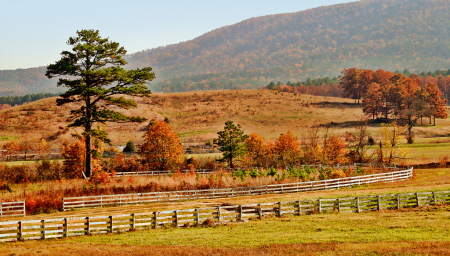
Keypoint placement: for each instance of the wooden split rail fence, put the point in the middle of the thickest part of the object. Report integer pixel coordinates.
(77, 226)
(176, 196)
(11, 209)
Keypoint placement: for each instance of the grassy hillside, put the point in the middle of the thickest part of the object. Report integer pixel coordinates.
(198, 116)
(371, 34)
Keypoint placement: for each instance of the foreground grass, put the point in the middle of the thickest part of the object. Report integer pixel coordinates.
(411, 231)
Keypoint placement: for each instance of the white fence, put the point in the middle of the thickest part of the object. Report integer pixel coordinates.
(176, 196)
(77, 226)
(10, 209)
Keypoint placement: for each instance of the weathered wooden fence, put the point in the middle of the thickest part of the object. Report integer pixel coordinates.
(176, 196)
(10, 209)
(77, 226)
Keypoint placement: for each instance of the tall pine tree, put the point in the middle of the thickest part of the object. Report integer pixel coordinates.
(95, 79)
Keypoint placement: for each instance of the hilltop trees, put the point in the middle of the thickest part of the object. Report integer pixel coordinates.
(94, 76)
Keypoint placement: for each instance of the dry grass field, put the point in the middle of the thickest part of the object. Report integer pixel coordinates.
(198, 116)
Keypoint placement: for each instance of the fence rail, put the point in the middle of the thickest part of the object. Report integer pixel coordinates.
(10, 209)
(176, 196)
(77, 226)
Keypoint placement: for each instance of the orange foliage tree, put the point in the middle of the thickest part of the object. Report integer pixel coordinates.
(334, 150)
(256, 149)
(42, 147)
(287, 149)
(437, 102)
(11, 148)
(162, 148)
(74, 154)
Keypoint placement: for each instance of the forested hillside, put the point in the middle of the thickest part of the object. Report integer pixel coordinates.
(371, 34)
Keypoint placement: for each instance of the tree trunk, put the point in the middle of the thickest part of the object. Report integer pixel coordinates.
(88, 156)
(434, 120)
(231, 161)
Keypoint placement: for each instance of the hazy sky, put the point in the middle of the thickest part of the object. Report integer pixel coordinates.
(33, 33)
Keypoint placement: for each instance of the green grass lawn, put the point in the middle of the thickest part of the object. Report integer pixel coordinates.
(427, 224)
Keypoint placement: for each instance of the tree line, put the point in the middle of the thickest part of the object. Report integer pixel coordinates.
(19, 100)
(394, 96)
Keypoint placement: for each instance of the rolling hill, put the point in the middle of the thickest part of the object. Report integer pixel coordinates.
(371, 34)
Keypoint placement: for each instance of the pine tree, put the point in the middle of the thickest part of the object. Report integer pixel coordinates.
(93, 74)
(231, 142)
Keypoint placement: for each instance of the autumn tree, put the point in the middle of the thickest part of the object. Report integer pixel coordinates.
(437, 102)
(74, 154)
(257, 149)
(389, 150)
(312, 151)
(12, 148)
(231, 142)
(162, 148)
(287, 149)
(334, 150)
(26, 145)
(351, 84)
(93, 74)
(42, 147)
(373, 100)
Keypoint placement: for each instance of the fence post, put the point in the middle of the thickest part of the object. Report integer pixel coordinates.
(155, 221)
(218, 214)
(64, 208)
(338, 205)
(299, 208)
(320, 206)
(260, 211)
(88, 226)
(378, 203)
(357, 205)
(417, 200)
(240, 213)
(434, 198)
(279, 209)
(43, 229)
(133, 221)
(111, 225)
(197, 216)
(20, 231)
(66, 227)
(398, 201)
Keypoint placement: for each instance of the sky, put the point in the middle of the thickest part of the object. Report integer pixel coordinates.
(34, 33)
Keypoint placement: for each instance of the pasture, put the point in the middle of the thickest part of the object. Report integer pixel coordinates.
(423, 230)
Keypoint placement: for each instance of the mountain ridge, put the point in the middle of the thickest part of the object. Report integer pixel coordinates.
(319, 42)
